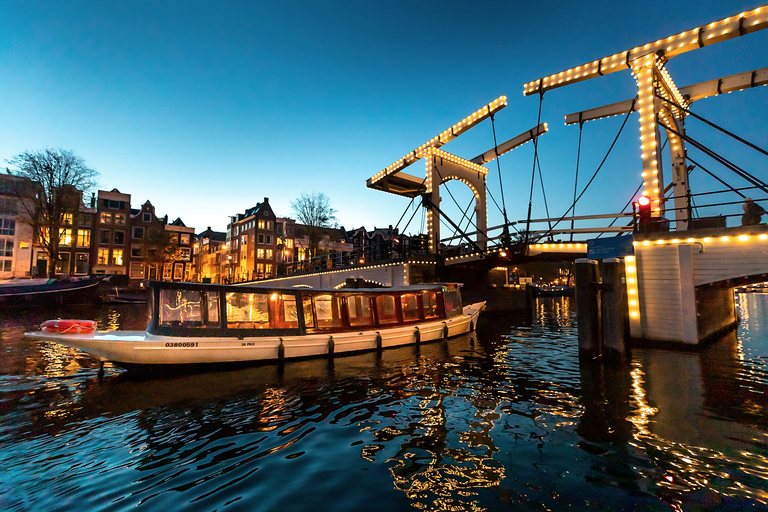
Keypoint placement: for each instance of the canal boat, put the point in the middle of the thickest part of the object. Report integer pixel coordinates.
(24, 292)
(190, 323)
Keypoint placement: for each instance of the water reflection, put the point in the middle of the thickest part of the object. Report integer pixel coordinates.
(504, 418)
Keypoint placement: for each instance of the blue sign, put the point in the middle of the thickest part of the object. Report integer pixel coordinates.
(614, 247)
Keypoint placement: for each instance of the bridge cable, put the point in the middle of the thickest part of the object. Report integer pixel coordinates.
(694, 162)
(533, 171)
(576, 181)
(713, 125)
(722, 160)
(543, 193)
(626, 118)
(505, 230)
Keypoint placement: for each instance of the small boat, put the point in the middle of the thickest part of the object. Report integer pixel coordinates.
(549, 291)
(48, 292)
(192, 323)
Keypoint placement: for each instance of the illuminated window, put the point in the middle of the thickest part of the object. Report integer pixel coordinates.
(261, 224)
(117, 256)
(260, 253)
(66, 219)
(105, 218)
(137, 270)
(84, 238)
(65, 237)
(184, 239)
(103, 257)
(269, 254)
(120, 219)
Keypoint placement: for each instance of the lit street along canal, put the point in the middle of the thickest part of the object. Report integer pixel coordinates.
(502, 419)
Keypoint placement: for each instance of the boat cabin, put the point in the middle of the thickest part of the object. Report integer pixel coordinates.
(192, 309)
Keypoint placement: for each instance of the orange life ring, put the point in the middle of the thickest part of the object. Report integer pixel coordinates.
(68, 326)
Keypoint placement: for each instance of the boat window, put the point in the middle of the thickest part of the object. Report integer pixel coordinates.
(327, 312)
(410, 306)
(429, 298)
(213, 307)
(359, 310)
(248, 310)
(452, 302)
(287, 314)
(180, 308)
(385, 309)
(309, 317)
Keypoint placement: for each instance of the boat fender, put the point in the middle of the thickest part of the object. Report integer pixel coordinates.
(60, 326)
(331, 346)
(378, 341)
(417, 335)
(281, 351)
(445, 330)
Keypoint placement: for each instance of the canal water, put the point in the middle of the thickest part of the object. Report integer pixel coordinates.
(503, 419)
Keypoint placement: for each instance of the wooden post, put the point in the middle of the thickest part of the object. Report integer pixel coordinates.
(585, 274)
(615, 311)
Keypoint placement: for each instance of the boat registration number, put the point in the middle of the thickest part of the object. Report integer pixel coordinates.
(181, 344)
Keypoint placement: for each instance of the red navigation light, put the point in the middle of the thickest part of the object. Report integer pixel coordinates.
(644, 201)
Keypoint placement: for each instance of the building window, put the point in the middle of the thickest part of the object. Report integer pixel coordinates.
(119, 237)
(6, 247)
(83, 237)
(260, 268)
(105, 218)
(178, 271)
(146, 217)
(167, 270)
(261, 238)
(117, 256)
(66, 219)
(65, 237)
(269, 239)
(137, 270)
(9, 205)
(7, 227)
(138, 233)
(81, 263)
(289, 243)
(269, 225)
(269, 254)
(103, 257)
(104, 236)
(261, 224)
(184, 253)
(268, 269)
(120, 219)
(260, 253)
(136, 251)
(84, 220)
(184, 239)
(113, 205)
(62, 264)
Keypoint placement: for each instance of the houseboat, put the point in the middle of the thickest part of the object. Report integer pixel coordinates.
(193, 323)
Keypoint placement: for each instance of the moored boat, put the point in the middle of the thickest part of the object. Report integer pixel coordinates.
(47, 292)
(192, 323)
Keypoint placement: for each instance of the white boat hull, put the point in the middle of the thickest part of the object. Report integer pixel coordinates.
(142, 348)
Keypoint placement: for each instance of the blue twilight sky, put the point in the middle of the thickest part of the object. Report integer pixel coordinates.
(205, 107)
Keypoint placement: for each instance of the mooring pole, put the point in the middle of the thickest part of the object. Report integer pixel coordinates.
(615, 311)
(586, 276)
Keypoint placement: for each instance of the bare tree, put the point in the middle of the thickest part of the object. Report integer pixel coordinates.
(58, 178)
(315, 213)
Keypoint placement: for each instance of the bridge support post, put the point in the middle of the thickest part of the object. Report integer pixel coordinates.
(615, 311)
(586, 276)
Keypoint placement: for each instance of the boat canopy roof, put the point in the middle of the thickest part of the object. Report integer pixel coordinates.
(201, 309)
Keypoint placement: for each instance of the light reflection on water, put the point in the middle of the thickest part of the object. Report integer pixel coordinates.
(503, 418)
